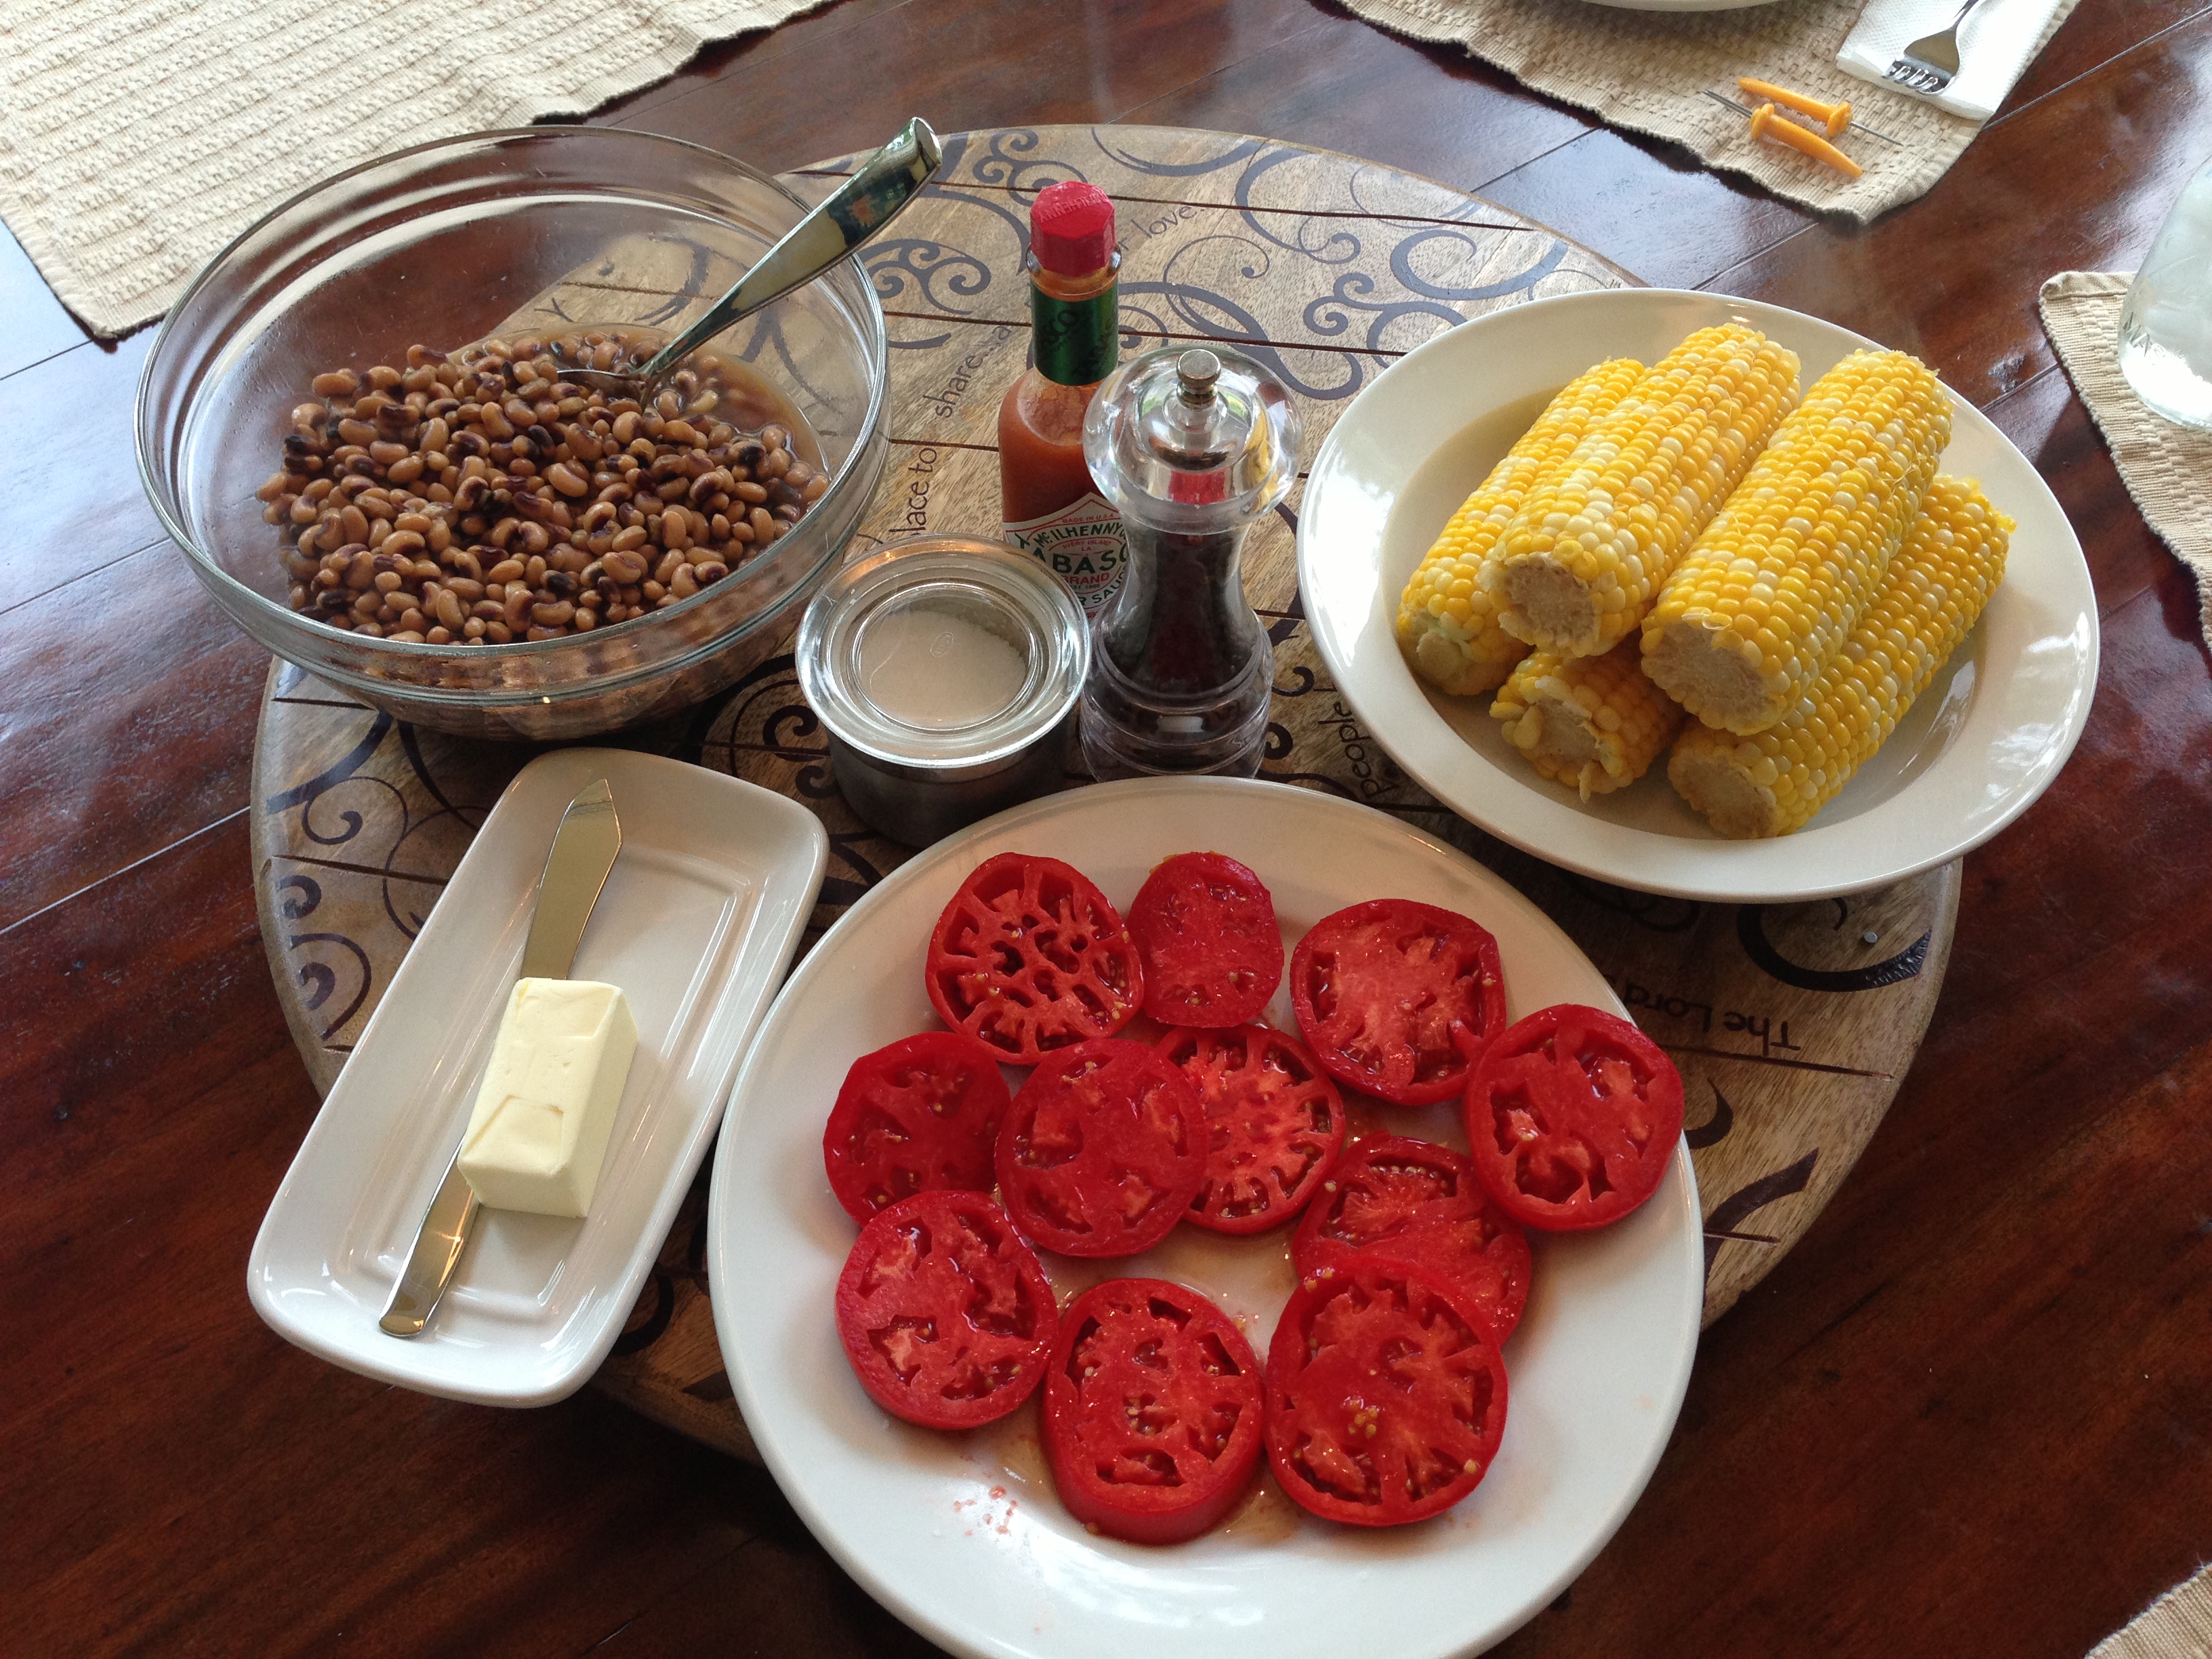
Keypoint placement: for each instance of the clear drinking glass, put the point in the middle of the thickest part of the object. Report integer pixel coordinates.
(2166, 327)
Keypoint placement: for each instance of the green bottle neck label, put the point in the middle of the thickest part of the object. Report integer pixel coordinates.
(1077, 341)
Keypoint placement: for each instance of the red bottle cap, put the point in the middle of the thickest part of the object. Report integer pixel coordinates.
(1072, 227)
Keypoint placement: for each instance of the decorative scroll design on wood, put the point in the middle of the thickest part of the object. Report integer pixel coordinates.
(1723, 1219)
(1905, 964)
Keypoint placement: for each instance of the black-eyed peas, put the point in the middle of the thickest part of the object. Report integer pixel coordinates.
(480, 498)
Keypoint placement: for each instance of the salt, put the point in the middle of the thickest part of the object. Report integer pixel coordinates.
(935, 671)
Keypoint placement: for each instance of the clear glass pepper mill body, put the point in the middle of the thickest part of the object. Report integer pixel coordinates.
(1192, 447)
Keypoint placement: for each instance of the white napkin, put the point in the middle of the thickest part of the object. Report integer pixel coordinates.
(1997, 43)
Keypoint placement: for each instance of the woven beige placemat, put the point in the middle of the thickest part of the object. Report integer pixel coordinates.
(2178, 1625)
(138, 137)
(1647, 71)
(2164, 466)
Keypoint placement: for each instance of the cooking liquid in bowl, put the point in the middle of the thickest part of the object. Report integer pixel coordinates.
(479, 497)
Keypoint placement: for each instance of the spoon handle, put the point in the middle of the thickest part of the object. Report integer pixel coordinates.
(862, 206)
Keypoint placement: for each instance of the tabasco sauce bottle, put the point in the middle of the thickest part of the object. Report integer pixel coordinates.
(1051, 508)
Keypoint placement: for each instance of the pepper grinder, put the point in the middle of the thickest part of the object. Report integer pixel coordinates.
(1192, 447)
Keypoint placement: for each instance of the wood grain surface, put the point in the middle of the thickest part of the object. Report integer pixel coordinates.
(1966, 1415)
(1792, 1025)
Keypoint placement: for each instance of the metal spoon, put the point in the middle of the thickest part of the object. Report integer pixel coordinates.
(861, 207)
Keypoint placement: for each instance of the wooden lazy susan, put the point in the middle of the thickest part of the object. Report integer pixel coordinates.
(1792, 1025)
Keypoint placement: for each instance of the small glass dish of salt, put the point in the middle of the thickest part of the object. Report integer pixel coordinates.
(945, 669)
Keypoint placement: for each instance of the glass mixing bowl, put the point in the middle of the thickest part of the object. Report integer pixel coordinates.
(536, 230)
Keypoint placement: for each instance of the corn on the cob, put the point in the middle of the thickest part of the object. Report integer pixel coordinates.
(1769, 783)
(1578, 566)
(1595, 723)
(1447, 621)
(1769, 593)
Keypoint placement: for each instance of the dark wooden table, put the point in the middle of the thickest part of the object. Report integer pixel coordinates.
(1972, 1413)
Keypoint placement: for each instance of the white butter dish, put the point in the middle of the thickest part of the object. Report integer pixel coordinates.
(697, 923)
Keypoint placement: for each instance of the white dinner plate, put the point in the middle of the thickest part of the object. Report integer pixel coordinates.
(1979, 745)
(698, 921)
(961, 1535)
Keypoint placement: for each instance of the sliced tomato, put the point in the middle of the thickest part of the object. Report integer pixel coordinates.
(1207, 933)
(1274, 1125)
(1029, 958)
(1102, 1149)
(1398, 998)
(1386, 1395)
(944, 1311)
(1152, 1411)
(1572, 1117)
(1418, 1199)
(919, 1115)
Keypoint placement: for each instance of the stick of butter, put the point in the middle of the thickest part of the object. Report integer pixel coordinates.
(547, 1106)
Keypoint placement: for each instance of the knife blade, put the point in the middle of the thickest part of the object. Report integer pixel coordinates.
(584, 850)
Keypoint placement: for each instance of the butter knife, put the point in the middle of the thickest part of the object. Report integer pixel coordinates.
(584, 849)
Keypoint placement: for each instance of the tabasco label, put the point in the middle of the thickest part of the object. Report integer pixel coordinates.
(1082, 544)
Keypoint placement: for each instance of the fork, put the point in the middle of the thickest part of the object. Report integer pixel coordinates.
(1928, 65)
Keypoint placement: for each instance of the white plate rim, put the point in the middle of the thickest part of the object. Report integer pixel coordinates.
(1679, 1192)
(784, 904)
(1819, 861)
